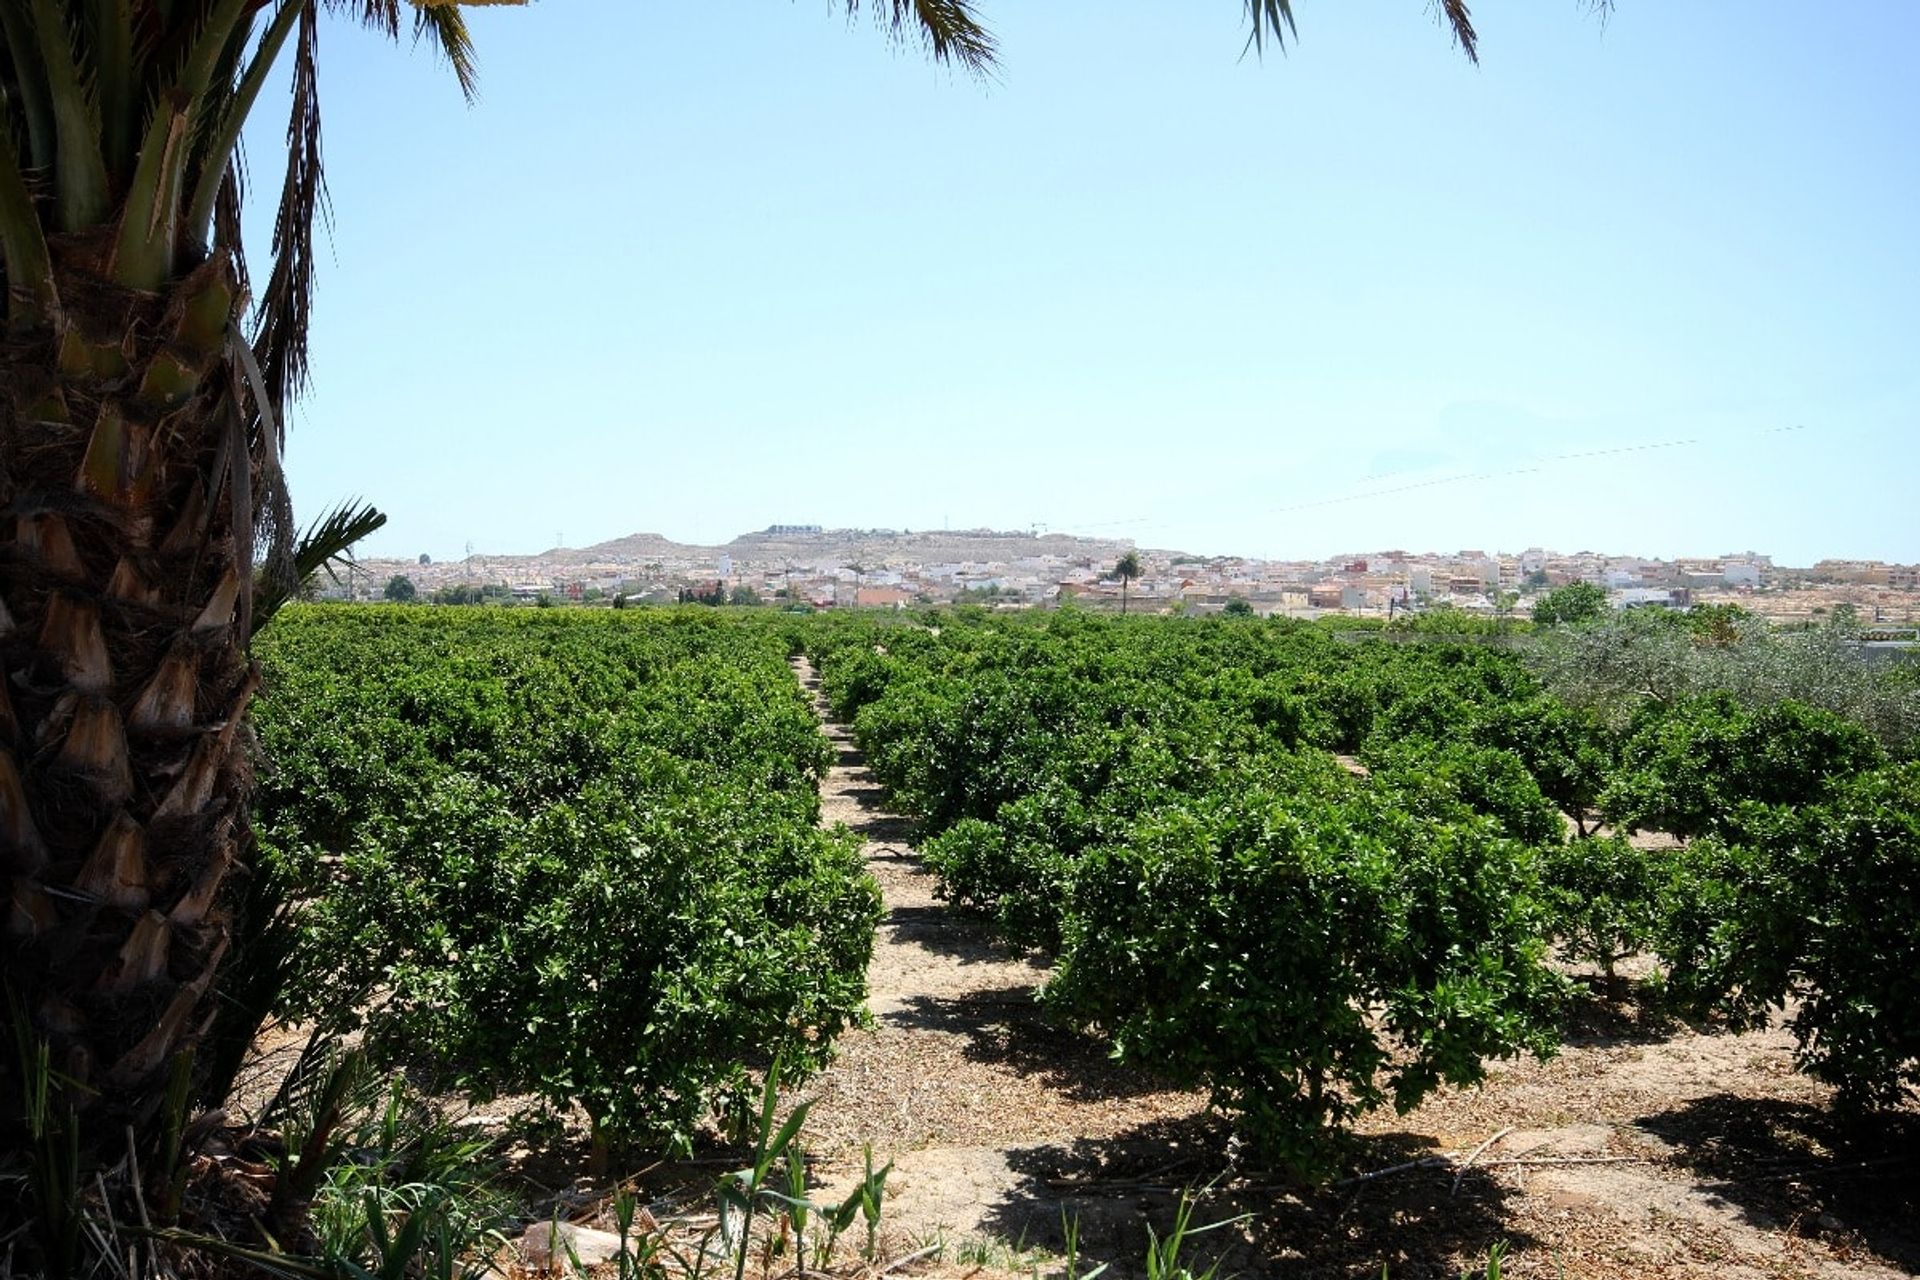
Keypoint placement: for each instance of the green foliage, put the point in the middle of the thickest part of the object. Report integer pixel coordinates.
(1167, 1257)
(1240, 941)
(1237, 607)
(1690, 768)
(560, 853)
(1569, 752)
(1607, 899)
(1574, 603)
(1719, 625)
(1428, 777)
(400, 589)
(1152, 801)
(1228, 905)
(1819, 907)
(406, 1189)
(1008, 870)
(468, 593)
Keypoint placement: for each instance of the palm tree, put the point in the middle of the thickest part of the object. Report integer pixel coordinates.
(1127, 570)
(144, 522)
(147, 530)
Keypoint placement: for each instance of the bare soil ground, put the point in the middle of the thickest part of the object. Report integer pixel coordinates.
(1644, 1149)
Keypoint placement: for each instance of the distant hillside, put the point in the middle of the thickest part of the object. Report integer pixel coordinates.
(635, 548)
(849, 546)
(763, 551)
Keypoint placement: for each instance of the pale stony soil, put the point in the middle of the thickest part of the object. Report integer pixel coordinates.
(958, 1074)
(1641, 1150)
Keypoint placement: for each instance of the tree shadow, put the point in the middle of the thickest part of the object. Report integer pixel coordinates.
(941, 929)
(1005, 1026)
(877, 823)
(876, 826)
(1414, 1224)
(1855, 1181)
(1612, 1012)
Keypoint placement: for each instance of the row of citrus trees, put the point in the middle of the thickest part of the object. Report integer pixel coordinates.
(1158, 804)
(562, 855)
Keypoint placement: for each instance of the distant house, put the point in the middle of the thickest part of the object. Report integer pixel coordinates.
(1653, 598)
(1327, 595)
(882, 598)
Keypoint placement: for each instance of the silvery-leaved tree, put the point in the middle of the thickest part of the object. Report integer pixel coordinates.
(145, 530)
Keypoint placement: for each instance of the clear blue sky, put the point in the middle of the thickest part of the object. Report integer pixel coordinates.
(696, 268)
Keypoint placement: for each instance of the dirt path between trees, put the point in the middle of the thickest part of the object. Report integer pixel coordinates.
(1641, 1150)
(959, 1076)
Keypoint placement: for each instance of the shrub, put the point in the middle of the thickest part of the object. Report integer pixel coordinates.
(1431, 777)
(1690, 769)
(1617, 663)
(1569, 752)
(566, 854)
(1337, 708)
(1822, 908)
(1574, 603)
(1605, 897)
(1242, 941)
(1006, 871)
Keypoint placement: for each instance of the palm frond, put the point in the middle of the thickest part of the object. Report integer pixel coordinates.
(443, 27)
(280, 336)
(1269, 20)
(326, 546)
(1454, 14)
(329, 541)
(948, 29)
(280, 333)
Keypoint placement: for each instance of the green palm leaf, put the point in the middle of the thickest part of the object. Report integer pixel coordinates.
(325, 547)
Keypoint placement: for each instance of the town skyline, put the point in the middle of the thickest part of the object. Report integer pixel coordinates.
(1094, 535)
(821, 567)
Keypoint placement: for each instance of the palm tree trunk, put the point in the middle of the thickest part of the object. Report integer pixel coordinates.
(127, 506)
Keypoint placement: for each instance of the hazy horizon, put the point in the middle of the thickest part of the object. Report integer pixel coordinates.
(957, 529)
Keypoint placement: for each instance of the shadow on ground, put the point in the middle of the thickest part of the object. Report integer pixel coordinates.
(1609, 1013)
(1805, 1167)
(940, 929)
(1003, 1026)
(876, 822)
(1415, 1225)
(879, 827)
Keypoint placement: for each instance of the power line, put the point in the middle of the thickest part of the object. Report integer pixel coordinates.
(1536, 467)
